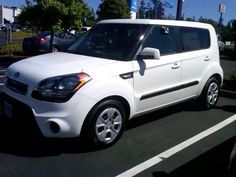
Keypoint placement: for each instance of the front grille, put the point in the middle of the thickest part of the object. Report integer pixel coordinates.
(16, 86)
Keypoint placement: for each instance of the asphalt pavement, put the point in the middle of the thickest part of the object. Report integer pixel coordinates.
(26, 153)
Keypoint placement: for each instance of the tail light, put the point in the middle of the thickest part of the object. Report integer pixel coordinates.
(40, 40)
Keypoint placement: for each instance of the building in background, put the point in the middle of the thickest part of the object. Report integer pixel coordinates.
(8, 14)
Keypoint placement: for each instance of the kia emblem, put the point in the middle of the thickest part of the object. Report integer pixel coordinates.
(17, 74)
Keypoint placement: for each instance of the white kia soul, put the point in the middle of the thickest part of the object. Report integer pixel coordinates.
(118, 70)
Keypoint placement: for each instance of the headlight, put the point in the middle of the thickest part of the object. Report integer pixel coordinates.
(61, 88)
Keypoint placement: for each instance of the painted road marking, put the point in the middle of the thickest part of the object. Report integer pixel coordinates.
(1, 84)
(168, 153)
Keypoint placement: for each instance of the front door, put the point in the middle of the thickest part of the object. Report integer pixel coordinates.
(156, 81)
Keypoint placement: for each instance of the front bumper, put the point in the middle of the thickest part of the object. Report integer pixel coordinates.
(54, 120)
(21, 114)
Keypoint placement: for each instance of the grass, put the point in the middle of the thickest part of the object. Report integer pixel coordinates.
(229, 47)
(22, 34)
(15, 47)
(229, 50)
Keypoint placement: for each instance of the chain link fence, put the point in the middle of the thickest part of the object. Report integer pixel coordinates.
(5, 35)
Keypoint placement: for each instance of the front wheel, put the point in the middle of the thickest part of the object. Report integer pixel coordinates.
(105, 123)
(210, 94)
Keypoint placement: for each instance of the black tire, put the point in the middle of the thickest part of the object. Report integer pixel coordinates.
(210, 94)
(104, 124)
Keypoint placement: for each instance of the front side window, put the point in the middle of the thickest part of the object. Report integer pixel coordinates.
(110, 41)
(161, 38)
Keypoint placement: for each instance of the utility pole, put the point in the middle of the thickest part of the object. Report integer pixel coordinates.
(179, 10)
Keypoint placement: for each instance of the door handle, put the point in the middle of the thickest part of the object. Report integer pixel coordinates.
(175, 66)
(207, 58)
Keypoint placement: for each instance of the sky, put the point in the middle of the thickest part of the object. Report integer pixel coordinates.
(191, 8)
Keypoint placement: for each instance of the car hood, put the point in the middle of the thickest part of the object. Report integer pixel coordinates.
(35, 69)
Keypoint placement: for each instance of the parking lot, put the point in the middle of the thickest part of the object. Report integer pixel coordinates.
(25, 153)
(177, 141)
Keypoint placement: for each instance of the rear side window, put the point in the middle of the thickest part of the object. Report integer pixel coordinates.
(194, 38)
(162, 38)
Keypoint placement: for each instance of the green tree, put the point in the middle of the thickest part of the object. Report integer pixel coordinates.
(170, 17)
(226, 32)
(232, 30)
(209, 21)
(155, 3)
(142, 9)
(113, 9)
(54, 15)
(233, 24)
(193, 19)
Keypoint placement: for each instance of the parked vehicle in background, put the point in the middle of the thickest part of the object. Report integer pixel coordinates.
(86, 28)
(118, 70)
(221, 44)
(40, 43)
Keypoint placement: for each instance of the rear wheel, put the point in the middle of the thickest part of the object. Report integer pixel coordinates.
(210, 94)
(105, 123)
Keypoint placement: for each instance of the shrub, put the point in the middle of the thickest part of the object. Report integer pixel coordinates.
(230, 50)
(11, 49)
(230, 83)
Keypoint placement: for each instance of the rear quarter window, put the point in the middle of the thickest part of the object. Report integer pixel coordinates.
(194, 38)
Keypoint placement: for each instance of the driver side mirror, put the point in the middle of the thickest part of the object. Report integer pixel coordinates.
(149, 53)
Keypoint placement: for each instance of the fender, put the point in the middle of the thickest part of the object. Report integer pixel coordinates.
(111, 87)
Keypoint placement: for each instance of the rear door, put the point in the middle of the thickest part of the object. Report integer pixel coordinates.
(196, 59)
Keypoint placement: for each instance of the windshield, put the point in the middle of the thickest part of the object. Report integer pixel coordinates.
(111, 41)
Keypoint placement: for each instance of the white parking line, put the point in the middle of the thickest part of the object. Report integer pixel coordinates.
(168, 153)
(2, 70)
(1, 84)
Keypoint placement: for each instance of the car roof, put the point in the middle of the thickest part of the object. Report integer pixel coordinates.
(157, 22)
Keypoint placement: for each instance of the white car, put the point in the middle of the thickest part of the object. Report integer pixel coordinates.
(118, 70)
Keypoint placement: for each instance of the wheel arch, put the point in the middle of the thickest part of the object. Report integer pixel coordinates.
(122, 100)
(218, 77)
